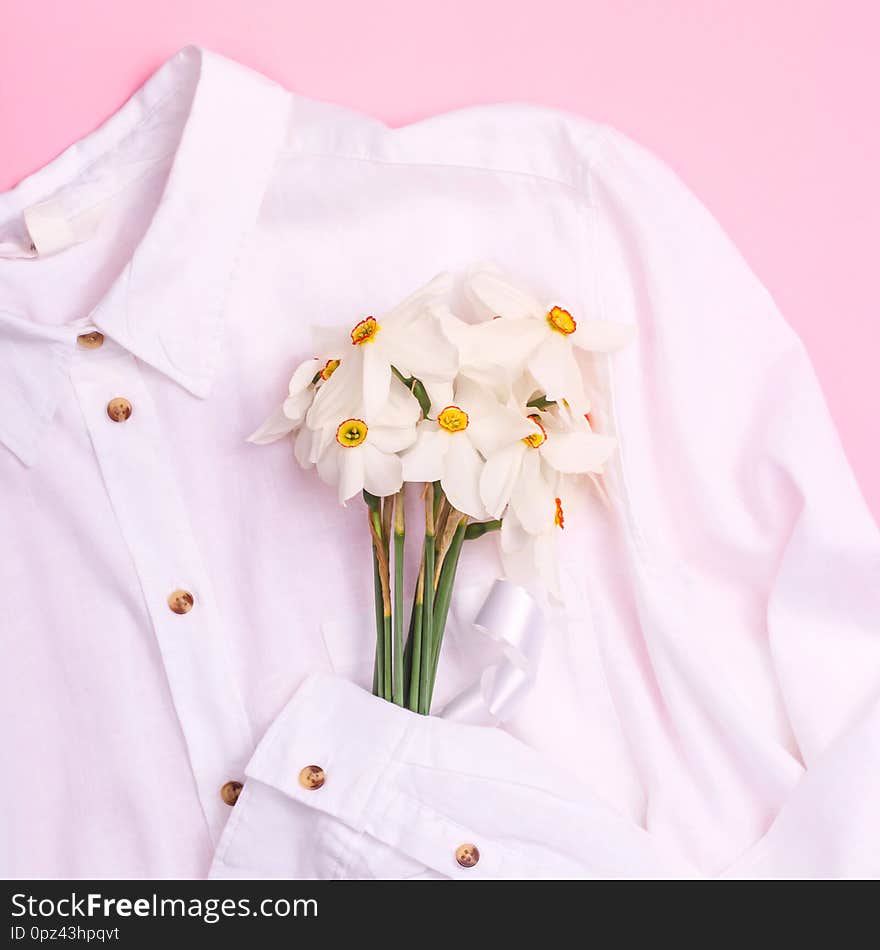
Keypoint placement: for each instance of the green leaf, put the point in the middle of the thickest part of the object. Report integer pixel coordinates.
(479, 528)
(416, 387)
(421, 394)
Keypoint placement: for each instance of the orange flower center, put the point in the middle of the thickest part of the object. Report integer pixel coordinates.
(329, 369)
(559, 517)
(562, 321)
(536, 439)
(365, 331)
(351, 433)
(453, 419)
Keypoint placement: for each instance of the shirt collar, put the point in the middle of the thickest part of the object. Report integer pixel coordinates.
(166, 306)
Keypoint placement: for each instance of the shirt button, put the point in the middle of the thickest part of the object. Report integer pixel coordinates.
(90, 341)
(119, 409)
(181, 601)
(312, 777)
(467, 855)
(230, 791)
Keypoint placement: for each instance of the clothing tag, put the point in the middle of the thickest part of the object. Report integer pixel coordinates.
(49, 228)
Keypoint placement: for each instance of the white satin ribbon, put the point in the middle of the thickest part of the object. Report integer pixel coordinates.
(511, 617)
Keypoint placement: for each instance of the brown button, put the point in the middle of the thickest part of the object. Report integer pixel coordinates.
(181, 601)
(312, 777)
(119, 409)
(467, 855)
(230, 791)
(90, 341)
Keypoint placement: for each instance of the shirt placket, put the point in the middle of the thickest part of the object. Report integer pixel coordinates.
(135, 461)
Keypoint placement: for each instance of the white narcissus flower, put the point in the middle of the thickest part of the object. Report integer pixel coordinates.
(528, 556)
(526, 474)
(533, 334)
(452, 446)
(306, 379)
(407, 338)
(479, 359)
(361, 451)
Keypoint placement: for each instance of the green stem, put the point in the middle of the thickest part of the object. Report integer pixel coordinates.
(408, 654)
(386, 657)
(399, 537)
(426, 644)
(414, 643)
(442, 601)
(383, 618)
(379, 665)
(387, 512)
(375, 521)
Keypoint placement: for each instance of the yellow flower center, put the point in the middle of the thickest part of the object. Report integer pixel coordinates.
(559, 517)
(562, 321)
(329, 369)
(365, 331)
(453, 419)
(352, 432)
(536, 439)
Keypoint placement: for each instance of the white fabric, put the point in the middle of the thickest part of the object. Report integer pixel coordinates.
(706, 701)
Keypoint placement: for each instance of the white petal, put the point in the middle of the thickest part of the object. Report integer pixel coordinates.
(276, 426)
(402, 407)
(422, 350)
(548, 365)
(439, 394)
(573, 387)
(492, 377)
(513, 536)
(383, 473)
(533, 499)
(461, 476)
(454, 328)
(519, 565)
(500, 474)
(391, 439)
(302, 447)
(303, 376)
(424, 462)
(506, 343)
(322, 440)
(497, 428)
(492, 425)
(351, 472)
(340, 397)
(376, 379)
(577, 452)
(415, 304)
(328, 464)
(602, 336)
(492, 294)
(295, 407)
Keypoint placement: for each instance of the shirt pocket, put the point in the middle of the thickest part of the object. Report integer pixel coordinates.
(350, 642)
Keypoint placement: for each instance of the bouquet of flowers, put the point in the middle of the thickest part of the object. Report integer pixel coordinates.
(484, 413)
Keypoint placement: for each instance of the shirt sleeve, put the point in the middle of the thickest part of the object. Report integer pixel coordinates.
(345, 785)
(734, 472)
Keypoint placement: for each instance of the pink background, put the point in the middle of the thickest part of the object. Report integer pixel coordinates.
(766, 108)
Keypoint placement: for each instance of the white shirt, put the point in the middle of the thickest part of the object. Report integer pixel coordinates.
(707, 700)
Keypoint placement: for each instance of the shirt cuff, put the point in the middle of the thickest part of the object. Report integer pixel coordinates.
(364, 749)
(390, 791)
